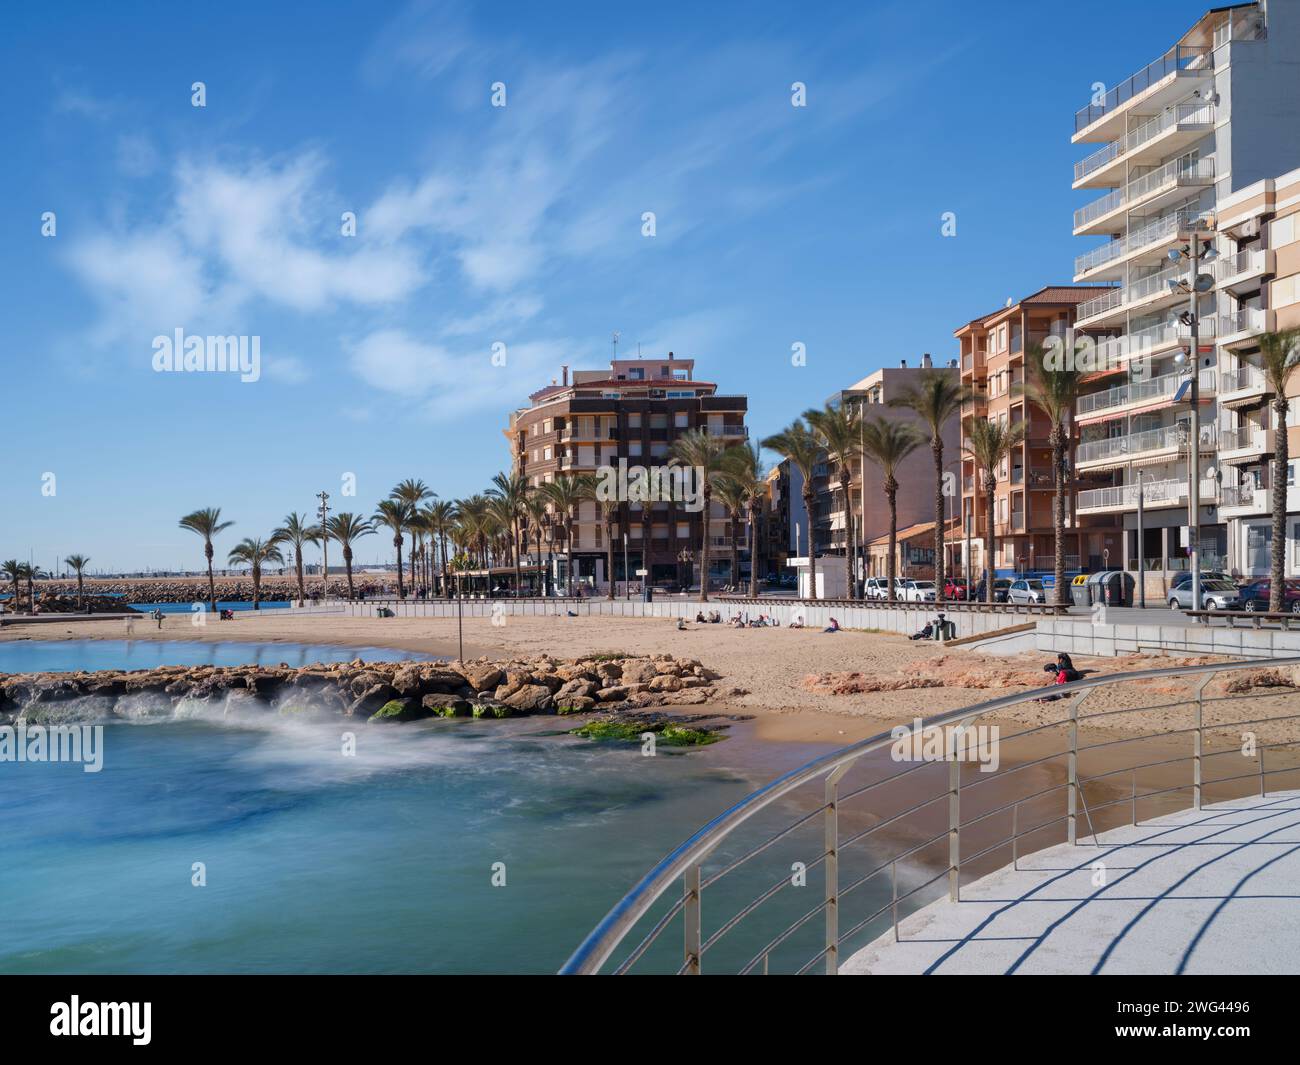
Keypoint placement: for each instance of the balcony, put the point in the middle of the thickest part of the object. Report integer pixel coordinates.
(1243, 385)
(730, 432)
(1116, 351)
(1147, 242)
(1155, 494)
(1241, 499)
(1157, 83)
(1117, 450)
(1243, 271)
(1178, 126)
(1242, 326)
(1245, 442)
(1144, 393)
(1145, 291)
(1162, 185)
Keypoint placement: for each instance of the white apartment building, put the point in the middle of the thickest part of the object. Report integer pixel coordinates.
(1181, 145)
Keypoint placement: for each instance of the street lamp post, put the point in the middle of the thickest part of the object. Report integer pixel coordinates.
(324, 513)
(1196, 284)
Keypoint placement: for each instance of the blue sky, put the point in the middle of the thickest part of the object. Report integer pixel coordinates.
(478, 224)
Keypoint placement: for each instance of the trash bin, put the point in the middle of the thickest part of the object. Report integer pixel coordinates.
(647, 592)
(1095, 593)
(1117, 586)
(1079, 590)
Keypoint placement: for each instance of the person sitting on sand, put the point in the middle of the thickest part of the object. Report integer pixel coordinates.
(681, 624)
(834, 626)
(796, 623)
(700, 619)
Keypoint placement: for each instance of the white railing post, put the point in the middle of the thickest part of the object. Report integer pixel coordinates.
(691, 917)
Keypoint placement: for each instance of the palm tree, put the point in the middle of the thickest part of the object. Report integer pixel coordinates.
(12, 570)
(887, 443)
(565, 494)
(732, 498)
(254, 552)
(839, 431)
(1054, 389)
(207, 523)
(701, 450)
(744, 473)
(79, 564)
(802, 449)
(440, 516)
(395, 515)
(412, 492)
(609, 510)
(535, 511)
(345, 528)
(512, 490)
(297, 531)
(936, 398)
(988, 444)
(1279, 354)
(33, 574)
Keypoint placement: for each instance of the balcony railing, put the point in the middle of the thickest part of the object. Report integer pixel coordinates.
(1241, 438)
(1141, 391)
(1190, 113)
(1242, 379)
(1141, 289)
(1176, 59)
(1185, 170)
(1242, 264)
(1165, 438)
(1114, 351)
(1246, 320)
(1164, 228)
(1239, 495)
(1154, 494)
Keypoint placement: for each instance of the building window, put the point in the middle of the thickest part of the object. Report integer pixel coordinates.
(637, 373)
(1282, 231)
(1286, 291)
(634, 421)
(680, 419)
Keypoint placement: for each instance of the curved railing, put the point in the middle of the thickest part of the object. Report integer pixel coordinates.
(686, 862)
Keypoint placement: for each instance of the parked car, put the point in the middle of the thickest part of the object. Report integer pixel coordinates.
(1026, 590)
(878, 588)
(918, 591)
(1215, 595)
(1254, 596)
(955, 589)
(1206, 575)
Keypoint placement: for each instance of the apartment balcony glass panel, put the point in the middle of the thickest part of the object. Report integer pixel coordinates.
(1178, 60)
(1119, 449)
(1192, 116)
(1184, 172)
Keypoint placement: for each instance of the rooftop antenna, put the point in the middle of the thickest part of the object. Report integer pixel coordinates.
(614, 339)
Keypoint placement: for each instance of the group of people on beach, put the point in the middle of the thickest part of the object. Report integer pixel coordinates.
(744, 621)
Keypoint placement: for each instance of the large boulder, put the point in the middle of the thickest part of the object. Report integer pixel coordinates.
(482, 676)
(446, 704)
(396, 710)
(530, 698)
(638, 671)
(666, 682)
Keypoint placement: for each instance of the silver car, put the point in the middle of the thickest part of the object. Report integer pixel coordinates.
(1215, 595)
(1027, 590)
(919, 592)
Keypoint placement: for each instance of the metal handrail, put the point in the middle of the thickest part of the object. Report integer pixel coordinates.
(686, 860)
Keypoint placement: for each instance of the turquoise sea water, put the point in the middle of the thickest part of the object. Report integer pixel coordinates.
(29, 656)
(320, 862)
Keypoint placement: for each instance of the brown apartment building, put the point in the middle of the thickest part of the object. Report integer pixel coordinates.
(630, 413)
(992, 354)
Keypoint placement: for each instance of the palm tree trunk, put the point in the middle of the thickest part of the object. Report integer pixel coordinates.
(514, 544)
(992, 551)
(936, 448)
(212, 581)
(891, 570)
(609, 558)
(80, 595)
(1058, 511)
(257, 587)
(347, 564)
(401, 589)
(412, 562)
(735, 550)
(812, 550)
(568, 558)
(301, 590)
(1277, 585)
(704, 545)
(753, 551)
(850, 544)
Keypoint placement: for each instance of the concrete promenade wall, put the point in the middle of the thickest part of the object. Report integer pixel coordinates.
(1078, 636)
(902, 619)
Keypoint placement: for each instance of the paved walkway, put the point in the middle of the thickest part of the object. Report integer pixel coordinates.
(1209, 891)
